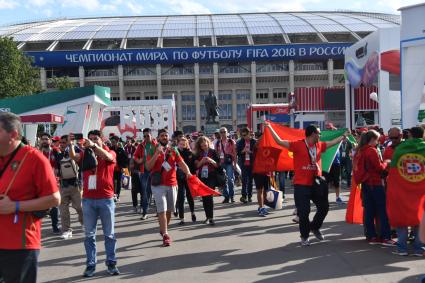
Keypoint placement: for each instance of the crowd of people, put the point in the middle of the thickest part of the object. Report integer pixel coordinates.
(88, 173)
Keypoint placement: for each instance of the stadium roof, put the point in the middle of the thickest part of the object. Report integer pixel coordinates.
(245, 24)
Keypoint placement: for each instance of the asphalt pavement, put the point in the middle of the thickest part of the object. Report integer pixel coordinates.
(241, 247)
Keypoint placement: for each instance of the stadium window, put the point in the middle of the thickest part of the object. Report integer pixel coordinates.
(151, 97)
(279, 95)
(262, 95)
(188, 97)
(188, 112)
(205, 41)
(226, 111)
(241, 110)
(243, 96)
(115, 98)
(225, 96)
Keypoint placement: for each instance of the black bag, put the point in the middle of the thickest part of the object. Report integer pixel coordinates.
(220, 177)
(320, 185)
(156, 178)
(228, 159)
(39, 214)
(122, 158)
(89, 160)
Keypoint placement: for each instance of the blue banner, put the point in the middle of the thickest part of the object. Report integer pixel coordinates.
(189, 55)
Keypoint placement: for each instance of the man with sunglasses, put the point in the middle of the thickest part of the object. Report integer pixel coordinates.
(70, 188)
(226, 149)
(143, 153)
(245, 152)
(98, 200)
(395, 136)
(162, 166)
(307, 165)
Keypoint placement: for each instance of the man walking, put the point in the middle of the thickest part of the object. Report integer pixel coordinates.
(49, 152)
(245, 153)
(28, 188)
(70, 188)
(162, 166)
(307, 154)
(98, 163)
(143, 153)
(226, 149)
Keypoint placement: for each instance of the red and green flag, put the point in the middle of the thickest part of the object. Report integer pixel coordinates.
(273, 157)
(406, 183)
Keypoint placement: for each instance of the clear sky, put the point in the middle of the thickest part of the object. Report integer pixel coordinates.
(16, 11)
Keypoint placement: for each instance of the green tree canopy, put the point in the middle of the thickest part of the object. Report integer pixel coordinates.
(17, 75)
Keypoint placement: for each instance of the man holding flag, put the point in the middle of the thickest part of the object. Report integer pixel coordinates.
(307, 165)
(406, 189)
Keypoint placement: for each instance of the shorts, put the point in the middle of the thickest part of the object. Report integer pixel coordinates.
(334, 175)
(165, 198)
(261, 181)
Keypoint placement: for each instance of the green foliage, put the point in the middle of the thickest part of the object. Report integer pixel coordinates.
(17, 75)
(61, 83)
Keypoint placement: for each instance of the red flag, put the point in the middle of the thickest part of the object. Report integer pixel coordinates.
(199, 189)
(273, 157)
(354, 214)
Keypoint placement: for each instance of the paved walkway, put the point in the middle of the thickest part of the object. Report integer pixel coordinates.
(242, 247)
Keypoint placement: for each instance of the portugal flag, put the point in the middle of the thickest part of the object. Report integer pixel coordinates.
(199, 189)
(273, 157)
(406, 184)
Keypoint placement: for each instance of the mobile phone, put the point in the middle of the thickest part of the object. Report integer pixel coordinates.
(78, 136)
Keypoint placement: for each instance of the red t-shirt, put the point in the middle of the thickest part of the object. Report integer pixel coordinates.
(145, 151)
(35, 179)
(374, 166)
(388, 153)
(168, 178)
(104, 177)
(303, 169)
(225, 147)
(50, 155)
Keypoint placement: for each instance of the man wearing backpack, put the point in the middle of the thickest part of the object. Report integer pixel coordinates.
(70, 189)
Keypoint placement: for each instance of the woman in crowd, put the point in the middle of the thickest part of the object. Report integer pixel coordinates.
(183, 188)
(373, 191)
(206, 163)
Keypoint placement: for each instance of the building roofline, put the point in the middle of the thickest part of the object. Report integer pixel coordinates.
(210, 14)
(411, 6)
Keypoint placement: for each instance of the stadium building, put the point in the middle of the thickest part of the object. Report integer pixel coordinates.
(242, 58)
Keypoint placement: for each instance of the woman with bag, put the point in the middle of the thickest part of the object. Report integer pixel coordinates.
(207, 163)
(183, 188)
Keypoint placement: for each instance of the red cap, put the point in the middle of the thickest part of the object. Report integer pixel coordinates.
(56, 138)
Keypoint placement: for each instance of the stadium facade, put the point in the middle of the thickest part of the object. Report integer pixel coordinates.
(242, 58)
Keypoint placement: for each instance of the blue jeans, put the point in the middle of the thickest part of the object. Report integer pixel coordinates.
(246, 181)
(145, 187)
(229, 189)
(402, 234)
(105, 210)
(374, 202)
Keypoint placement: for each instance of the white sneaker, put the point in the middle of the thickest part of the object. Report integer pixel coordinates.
(66, 235)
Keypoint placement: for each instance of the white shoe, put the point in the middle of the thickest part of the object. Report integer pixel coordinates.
(66, 235)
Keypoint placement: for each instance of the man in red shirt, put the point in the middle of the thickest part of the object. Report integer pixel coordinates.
(162, 166)
(394, 135)
(307, 165)
(143, 153)
(27, 186)
(98, 198)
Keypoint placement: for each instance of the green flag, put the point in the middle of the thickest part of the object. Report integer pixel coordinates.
(329, 155)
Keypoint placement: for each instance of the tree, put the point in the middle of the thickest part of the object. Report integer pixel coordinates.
(62, 83)
(17, 75)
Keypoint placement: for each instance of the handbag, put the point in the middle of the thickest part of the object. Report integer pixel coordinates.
(221, 177)
(126, 182)
(156, 176)
(89, 160)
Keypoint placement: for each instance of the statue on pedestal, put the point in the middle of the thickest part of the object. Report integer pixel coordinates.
(211, 107)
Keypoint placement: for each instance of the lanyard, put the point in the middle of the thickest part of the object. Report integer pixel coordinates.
(312, 153)
(10, 159)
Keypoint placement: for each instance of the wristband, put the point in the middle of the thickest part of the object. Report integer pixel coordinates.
(15, 219)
